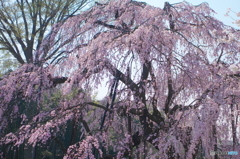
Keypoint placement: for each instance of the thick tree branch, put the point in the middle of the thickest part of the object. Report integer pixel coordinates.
(170, 85)
(122, 77)
(58, 80)
(86, 127)
(98, 105)
(124, 27)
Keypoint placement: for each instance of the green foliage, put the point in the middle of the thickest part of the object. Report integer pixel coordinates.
(47, 154)
(7, 64)
(51, 100)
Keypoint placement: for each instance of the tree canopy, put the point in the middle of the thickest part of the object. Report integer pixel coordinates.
(173, 78)
(24, 23)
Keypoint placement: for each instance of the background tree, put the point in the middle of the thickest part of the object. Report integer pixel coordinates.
(24, 23)
(7, 63)
(173, 83)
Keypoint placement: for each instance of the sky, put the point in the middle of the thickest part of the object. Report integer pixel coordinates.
(219, 6)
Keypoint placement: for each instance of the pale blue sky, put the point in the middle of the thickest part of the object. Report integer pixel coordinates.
(220, 7)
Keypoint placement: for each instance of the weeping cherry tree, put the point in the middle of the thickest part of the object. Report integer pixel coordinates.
(173, 79)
